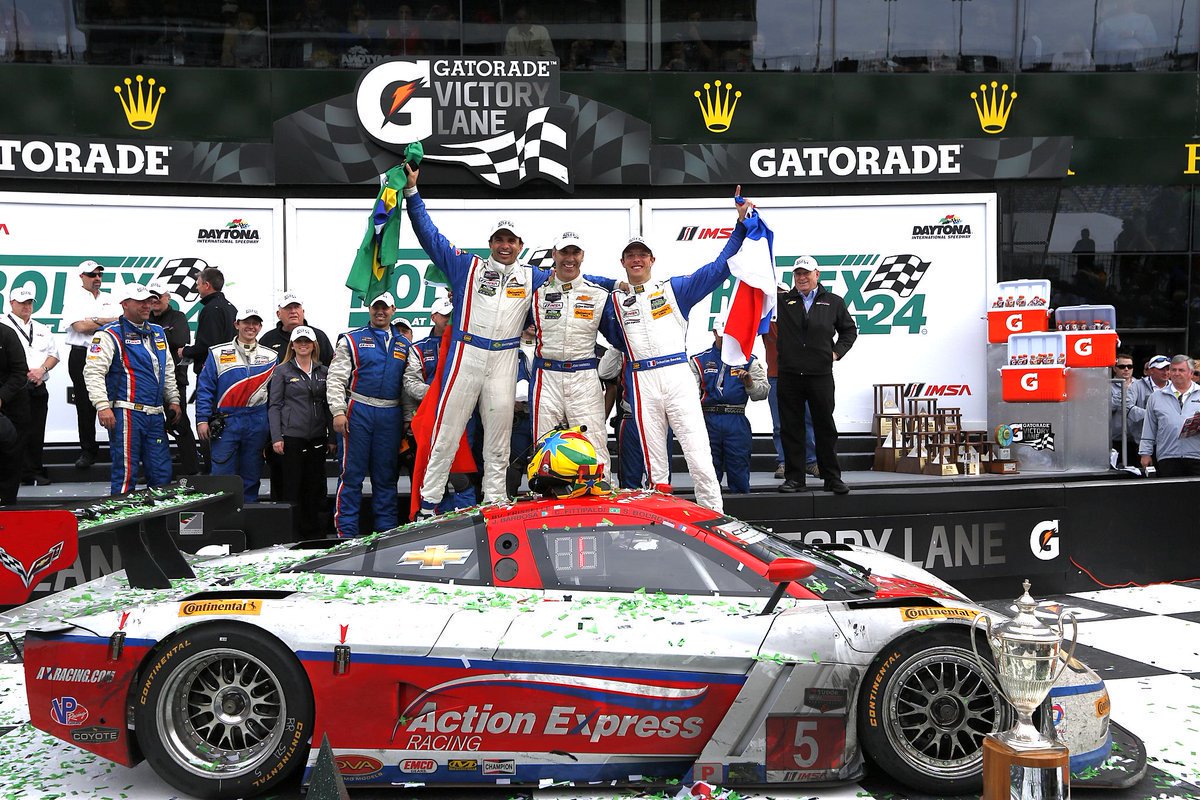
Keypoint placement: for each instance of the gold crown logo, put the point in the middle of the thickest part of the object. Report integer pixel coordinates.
(141, 109)
(716, 107)
(993, 108)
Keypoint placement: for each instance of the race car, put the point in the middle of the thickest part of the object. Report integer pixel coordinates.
(631, 638)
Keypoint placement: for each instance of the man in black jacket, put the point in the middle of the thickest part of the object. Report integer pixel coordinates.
(290, 312)
(215, 323)
(809, 319)
(213, 326)
(179, 335)
(14, 413)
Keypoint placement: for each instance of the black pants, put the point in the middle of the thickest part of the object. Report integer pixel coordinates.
(301, 480)
(181, 432)
(35, 434)
(84, 410)
(13, 431)
(1178, 467)
(816, 390)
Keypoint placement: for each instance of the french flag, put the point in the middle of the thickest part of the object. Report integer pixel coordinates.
(753, 304)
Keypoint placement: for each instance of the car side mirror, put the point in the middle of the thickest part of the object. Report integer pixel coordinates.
(783, 571)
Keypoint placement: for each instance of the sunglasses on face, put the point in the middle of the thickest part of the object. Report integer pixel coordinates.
(1124, 366)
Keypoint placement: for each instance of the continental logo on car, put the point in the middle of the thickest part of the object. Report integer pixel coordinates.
(924, 612)
(208, 608)
(463, 764)
(1103, 706)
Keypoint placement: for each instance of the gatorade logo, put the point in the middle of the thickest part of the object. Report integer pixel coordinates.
(1015, 323)
(1044, 540)
(1083, 346)
(1029, 381)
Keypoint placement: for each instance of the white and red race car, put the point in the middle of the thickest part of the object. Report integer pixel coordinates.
(633, 638)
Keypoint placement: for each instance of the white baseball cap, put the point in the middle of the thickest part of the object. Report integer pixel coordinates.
(248, 312)
(568, 239)
(303, 332)
(134, 291)
(21, 294)
(637, 240)
(806, 264)
(288, 298)
(158, 286)
(385, 298)
(719, 326)
(442, 306)
(1159, 362)
(90, 266)
(505, 225)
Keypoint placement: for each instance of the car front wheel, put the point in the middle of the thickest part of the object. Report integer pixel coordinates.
(926, 706)
(223, 711)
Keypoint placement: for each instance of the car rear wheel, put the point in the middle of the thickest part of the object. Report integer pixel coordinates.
(926, 706)
(223, 711)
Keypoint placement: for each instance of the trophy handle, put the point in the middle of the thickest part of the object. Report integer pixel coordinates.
(974, 648)
(1074, 641)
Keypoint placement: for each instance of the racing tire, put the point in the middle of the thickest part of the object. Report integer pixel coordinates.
(223, 711)
(925, 708)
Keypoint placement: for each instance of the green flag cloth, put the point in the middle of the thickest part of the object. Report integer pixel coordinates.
(371, 273)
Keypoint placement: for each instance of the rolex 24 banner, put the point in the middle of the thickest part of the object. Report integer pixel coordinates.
(914, 271)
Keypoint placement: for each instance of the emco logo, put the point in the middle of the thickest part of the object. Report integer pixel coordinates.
(419, 766)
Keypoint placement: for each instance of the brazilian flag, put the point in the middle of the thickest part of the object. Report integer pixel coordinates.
(371, 273)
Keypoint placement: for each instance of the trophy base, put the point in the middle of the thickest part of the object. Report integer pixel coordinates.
(1011, 774)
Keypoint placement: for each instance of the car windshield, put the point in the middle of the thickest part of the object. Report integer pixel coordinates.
(840, 579)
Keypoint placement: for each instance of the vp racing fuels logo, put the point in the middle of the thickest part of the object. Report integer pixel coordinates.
(26, 574)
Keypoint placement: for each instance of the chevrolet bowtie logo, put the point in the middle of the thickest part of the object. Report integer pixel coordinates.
(435, 556)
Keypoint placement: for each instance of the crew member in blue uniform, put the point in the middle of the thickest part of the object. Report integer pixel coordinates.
(365, 383)
(130, 378)
(422, 367)
(231, 402)
(724, 392)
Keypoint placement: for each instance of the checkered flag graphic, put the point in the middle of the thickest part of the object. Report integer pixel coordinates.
(508, 160)
(542, 257)
(181, 274)
(1044, 441)
(899, 274)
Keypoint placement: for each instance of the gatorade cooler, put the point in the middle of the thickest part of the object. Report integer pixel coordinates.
(1018, 307)
(1036, 370)
(1091, 334)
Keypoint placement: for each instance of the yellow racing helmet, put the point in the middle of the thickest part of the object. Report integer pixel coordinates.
(565, 464)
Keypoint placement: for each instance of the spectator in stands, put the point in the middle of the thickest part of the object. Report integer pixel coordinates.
(581, 55)
(1085, 251)
(301, 431)
(527, 39)
(244, 43)
(404, 34)
(308, 33)
(1123, 406)
(1124, 35)
(41, 354)
(696, 52)
(1169, 434)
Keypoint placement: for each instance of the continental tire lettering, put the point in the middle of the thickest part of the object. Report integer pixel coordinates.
(920, 613)
(162, 662)
(1103, 706)
(297, 739)
(876, 682)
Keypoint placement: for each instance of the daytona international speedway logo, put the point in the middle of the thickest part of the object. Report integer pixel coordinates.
(950, 226)
(236, 231)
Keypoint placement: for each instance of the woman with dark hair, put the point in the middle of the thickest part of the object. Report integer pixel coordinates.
(302, 431)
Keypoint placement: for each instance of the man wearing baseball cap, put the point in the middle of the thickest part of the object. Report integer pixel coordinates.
(815, 330)
(231, 402)
(364, 388)
(1154, 380)
(41, 355)
(290, 313)
(130, 378)
(565, 387)
(492, 299)
(85, 311)
(650, 328)
(175, 325)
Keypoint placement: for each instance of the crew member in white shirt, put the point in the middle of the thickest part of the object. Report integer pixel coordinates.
(86, 311)
(41, 354)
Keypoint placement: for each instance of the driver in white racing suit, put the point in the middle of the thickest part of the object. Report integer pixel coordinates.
(650, 328)
(566, 388)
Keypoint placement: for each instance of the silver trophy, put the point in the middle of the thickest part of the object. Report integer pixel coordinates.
(1029, 659)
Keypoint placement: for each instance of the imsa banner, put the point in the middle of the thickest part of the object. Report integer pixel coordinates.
(914, 271)
(44, 237)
